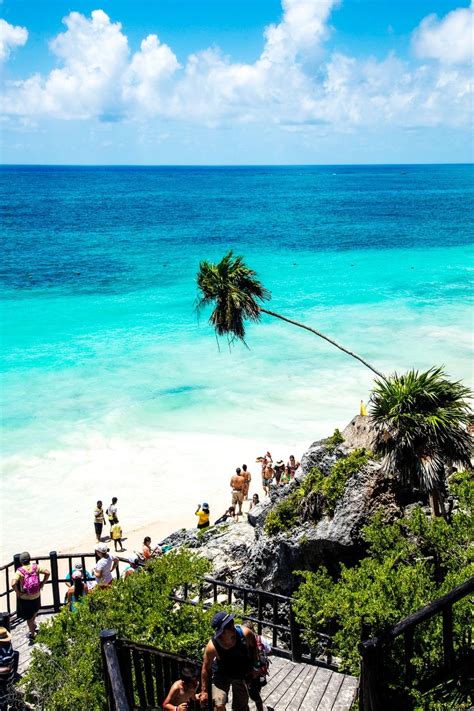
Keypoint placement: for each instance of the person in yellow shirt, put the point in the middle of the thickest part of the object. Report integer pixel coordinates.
(116, 534)
(202, 512)
(363, 409)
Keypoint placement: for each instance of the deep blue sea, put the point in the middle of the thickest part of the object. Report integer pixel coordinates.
(102, 350)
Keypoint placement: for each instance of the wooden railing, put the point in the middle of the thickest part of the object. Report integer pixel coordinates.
(271, 614)
(374, 694)
(138, 676)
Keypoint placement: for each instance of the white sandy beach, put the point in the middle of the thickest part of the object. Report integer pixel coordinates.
(158, 480)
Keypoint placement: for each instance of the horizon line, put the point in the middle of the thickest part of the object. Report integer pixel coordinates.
(219, 165)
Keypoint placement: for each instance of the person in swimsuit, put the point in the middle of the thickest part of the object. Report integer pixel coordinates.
(267, 477)
(292, 466)
(230, 658)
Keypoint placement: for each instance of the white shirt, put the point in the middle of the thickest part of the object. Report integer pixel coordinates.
(104, 565)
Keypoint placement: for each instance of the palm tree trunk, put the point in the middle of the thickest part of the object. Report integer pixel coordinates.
(326, 338)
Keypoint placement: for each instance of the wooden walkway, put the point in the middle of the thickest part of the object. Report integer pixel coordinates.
(21, 643)
(302, 687)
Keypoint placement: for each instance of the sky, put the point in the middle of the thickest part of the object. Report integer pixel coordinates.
(181, 82)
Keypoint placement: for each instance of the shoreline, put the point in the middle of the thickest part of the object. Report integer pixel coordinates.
(156, 500)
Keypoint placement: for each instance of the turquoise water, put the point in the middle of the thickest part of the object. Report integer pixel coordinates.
(100, 338)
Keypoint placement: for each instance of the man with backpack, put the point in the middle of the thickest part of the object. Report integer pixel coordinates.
(231, 659)
(27, 585)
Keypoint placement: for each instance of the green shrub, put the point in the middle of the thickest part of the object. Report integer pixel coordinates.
(66, 667)
(401, 573)
(334, 440)
(284, 515)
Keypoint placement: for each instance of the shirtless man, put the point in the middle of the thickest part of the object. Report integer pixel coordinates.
(183, 690)
(248, 478)
(237, 485)
(267, 477)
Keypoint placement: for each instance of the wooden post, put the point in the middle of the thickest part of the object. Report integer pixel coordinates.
(371, 697)
(53, 559)
(5, 620)
(295, 634)
(448, 648)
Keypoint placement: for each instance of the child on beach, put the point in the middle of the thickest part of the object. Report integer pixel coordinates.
(183, 691)
(116, 534)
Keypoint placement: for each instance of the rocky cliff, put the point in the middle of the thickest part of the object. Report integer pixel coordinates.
(245, 554)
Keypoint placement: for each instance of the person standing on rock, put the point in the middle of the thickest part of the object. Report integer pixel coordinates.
(237, 485)
(267, 477)
(279, 469)
(292, 466)
(229, 659)
(248, 478)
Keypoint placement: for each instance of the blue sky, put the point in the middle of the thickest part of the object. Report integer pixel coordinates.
(214, 82)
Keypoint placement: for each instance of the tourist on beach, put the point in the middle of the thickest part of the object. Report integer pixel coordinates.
(8, 662)
(237, 485)
(292, 466)
(112, 512)
(267, 477)
(255, 501)
(27, 586)
(278, 471)
(285, 477)
(134, 565)
(183, 690)
(76, 591)
(203, 513)
(116, 535)
(229, 657)
(248, 478)
(99, 520)
(230, 513)
(104, 567)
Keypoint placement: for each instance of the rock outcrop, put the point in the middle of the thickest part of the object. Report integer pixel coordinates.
(245, 554)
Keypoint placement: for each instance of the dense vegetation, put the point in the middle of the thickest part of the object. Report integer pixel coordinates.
(317, 495)
(66, 668)
(409, 563)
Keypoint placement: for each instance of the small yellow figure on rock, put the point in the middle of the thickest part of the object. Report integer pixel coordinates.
(363, 409)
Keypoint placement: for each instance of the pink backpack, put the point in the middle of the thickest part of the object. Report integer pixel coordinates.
(31, 581)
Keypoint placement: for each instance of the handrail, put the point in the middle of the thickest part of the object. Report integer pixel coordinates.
(433, 608)
(373, 693)
(116, 694)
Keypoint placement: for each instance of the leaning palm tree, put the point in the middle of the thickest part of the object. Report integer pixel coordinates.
(421, 422)
(235, 291)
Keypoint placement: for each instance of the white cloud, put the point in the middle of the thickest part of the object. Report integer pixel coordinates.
(449, 40)
(11, 36)
(291, 84)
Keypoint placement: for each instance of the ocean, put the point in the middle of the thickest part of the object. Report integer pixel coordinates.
(110, 380)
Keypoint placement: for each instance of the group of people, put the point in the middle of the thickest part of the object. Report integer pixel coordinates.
(234, 658)
(273, 474)
(116, 533)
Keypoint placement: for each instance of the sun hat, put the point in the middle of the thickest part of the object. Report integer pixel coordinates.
(78, 566)
(102, 548)
(220, 622)
(5, 635)
(133, 559)
(280, 463)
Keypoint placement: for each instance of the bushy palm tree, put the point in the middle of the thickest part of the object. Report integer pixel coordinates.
(421, 422)
(237, 294)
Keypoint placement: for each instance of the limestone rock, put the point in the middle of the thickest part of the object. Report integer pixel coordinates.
(359, 433)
